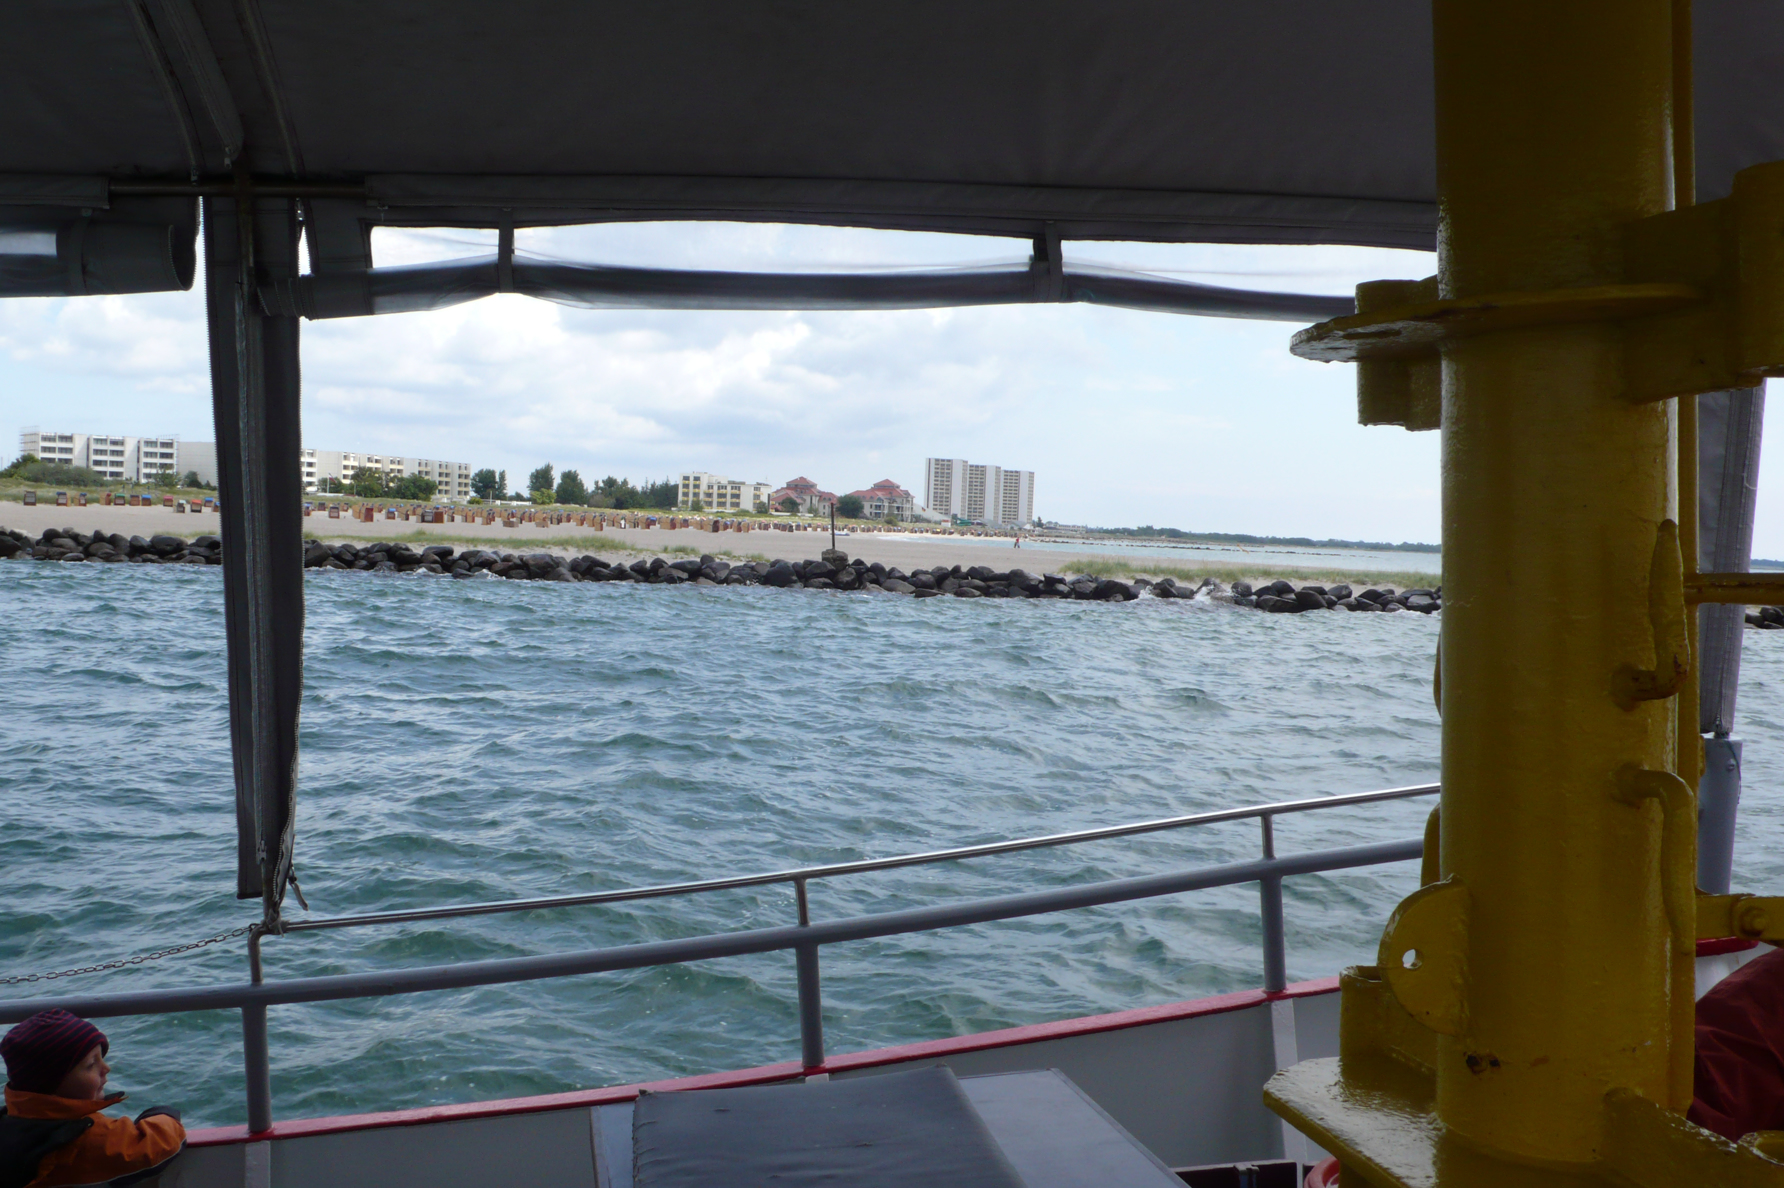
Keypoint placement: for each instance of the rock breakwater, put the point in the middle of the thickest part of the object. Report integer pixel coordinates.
(835, 572)
(65, 544)
(1283, 598)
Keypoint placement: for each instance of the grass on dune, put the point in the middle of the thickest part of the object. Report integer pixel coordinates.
(520, 543)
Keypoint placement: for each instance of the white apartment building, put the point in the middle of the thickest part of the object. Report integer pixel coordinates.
(122, 458)
(452, 479)
(717, 493)
(990, 495)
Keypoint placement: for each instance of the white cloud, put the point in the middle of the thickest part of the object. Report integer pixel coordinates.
(1126, 417)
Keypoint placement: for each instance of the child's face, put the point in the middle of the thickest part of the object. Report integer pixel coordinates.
(86, 1080)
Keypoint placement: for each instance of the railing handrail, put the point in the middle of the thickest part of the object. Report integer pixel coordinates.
(805, 938)
(703, 948)
(864, 865)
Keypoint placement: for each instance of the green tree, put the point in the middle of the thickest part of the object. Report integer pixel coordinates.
(542, 479)
(18, 464)
(368, 482)
(697, 505)
(60, 474)
(167, 480)
(413, 486)
(191, 479)
(664, 494)
(789, 504)
(849, 507)
(486, 483)
(570, 488)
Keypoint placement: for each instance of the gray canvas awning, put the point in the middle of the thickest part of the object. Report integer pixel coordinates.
(1286, 121)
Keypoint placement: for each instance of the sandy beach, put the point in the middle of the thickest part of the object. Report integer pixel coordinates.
(893, 550)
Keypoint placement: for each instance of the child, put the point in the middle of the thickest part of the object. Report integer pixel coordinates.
(52, 1132)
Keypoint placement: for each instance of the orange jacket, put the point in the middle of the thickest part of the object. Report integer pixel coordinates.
(109, 1148)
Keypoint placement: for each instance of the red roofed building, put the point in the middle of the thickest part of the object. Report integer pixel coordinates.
(886, 498)
(805, 493)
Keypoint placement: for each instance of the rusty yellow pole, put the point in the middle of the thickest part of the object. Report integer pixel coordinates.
(1553, 121)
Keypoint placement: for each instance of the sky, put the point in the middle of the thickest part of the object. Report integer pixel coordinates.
(1127, 418)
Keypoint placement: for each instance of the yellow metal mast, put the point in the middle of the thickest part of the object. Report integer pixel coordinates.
(1529, 1020)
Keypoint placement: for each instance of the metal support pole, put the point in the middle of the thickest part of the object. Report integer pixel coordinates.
(811, 994)
(256, 1060)
(1269, 890)
(1552, 138)
(1718, 803)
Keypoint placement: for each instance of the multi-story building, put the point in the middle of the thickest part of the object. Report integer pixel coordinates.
(803, 492)
(983, 494)
(119, 458)
(717, 493)
(452, 480)
(886, 498)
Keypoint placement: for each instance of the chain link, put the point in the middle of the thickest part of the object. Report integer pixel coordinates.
(19, 979)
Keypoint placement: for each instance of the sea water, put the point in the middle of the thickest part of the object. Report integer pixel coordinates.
(485, 740)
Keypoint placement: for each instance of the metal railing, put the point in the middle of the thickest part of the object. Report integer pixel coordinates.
(804, 937)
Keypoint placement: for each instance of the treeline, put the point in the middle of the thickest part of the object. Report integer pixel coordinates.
(29, 468)
(368, 483)
(545, 485)
(1148, 532)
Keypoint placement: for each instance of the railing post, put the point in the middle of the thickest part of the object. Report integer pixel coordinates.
(1269, 890)
(1718, 801)
(255, 1058)
(811, 996)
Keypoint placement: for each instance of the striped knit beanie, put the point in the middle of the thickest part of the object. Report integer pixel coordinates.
(43, 1049)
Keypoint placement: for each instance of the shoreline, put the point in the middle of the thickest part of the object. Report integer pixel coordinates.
(889, 549)
(834, 570)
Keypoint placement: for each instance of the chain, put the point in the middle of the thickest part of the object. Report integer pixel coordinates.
(18, 979)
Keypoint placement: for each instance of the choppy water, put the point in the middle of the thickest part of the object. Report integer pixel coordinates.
(484, 740)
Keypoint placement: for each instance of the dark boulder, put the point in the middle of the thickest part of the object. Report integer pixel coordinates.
(898, 586)
(965, 591)
(1310, 599)
(1340, 592)
(163, 545)
(780, 575)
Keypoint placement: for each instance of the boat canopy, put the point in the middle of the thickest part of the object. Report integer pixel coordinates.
(1272, 121)
(1268, 121)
